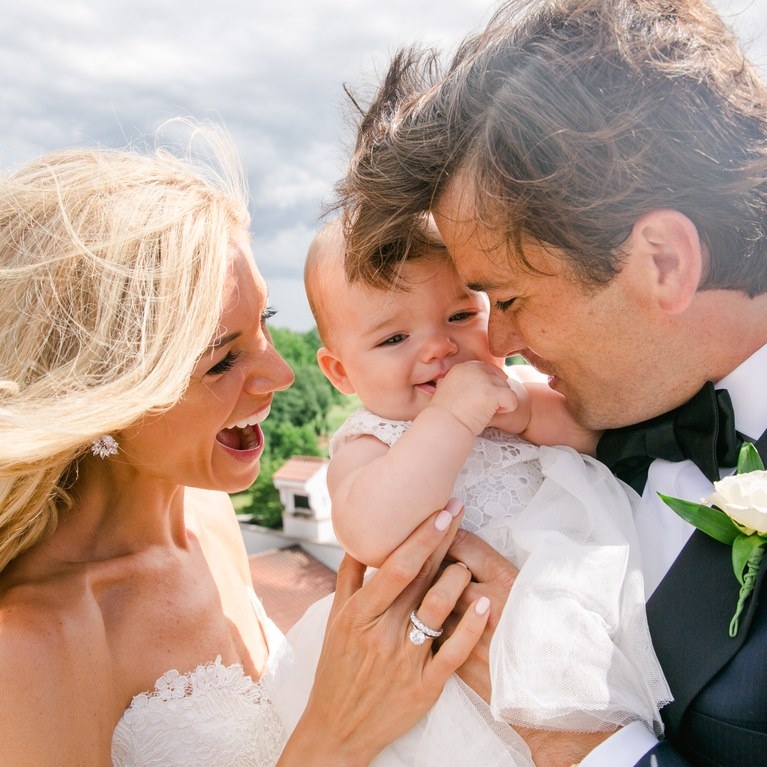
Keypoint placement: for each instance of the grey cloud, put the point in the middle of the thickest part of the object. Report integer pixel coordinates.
(107, 71)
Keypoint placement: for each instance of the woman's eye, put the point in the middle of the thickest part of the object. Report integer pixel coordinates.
(227, 363)
(397, 338)
(502, 306)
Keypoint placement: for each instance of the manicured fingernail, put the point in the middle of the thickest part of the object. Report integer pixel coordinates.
(443, 520)
(482, 606)
(453, 507)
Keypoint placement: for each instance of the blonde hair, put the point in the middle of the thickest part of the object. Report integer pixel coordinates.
(112, 269)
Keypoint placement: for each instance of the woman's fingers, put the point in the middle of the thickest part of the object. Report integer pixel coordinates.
(349, 580)
(492, 578)
(408, 571)
(440, 600)
(372, 681)
(457, 648)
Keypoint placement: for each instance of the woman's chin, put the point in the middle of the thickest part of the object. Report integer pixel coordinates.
(239, 481)
(243, 460)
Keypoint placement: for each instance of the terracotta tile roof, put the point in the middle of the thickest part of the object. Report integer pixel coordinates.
(299, 468)
(287, 581)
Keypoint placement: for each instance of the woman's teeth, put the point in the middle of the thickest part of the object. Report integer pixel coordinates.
(252, 421)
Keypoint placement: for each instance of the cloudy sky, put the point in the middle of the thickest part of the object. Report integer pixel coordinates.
(88, 72)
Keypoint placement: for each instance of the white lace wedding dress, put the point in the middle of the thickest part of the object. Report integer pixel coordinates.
(572, 650)
(212, 716)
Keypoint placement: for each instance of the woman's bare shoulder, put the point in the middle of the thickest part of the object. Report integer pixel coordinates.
(49, 618)
(54, 662)
(47, 602)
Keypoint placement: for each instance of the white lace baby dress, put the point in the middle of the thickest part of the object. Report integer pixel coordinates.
(213, 716)
(572, 649)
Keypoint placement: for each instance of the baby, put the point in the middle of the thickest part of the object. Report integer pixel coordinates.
(442, 417)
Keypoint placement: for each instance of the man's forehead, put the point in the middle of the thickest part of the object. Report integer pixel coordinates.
(483, 264)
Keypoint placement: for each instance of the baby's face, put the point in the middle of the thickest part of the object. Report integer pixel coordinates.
(396, 344)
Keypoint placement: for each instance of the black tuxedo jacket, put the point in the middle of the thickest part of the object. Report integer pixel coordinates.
(719, 683)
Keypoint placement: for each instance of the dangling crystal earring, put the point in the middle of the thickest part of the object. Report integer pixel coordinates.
(104, 446)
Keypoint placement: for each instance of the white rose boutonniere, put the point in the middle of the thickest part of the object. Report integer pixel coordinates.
(735, 514)
(743, 498)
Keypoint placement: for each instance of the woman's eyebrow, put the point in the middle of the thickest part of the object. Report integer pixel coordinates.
(224, 340)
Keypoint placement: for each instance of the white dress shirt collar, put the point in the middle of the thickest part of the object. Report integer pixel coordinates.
(747, 392)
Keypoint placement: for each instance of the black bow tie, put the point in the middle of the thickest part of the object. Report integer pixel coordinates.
(702, 430)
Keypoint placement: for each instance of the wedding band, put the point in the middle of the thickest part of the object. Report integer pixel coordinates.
(420, 630)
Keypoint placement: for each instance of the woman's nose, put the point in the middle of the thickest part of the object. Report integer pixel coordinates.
(270, 372)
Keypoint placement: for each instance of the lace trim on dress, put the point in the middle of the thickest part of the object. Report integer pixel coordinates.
(206, 678)
(214, 716)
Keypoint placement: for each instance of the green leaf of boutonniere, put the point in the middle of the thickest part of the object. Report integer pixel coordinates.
(748, 459)
(710, 520)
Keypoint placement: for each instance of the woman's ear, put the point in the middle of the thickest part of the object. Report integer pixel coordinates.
(672, 257)
(334, 370)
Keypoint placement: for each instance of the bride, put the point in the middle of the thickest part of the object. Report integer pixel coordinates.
(135, 368)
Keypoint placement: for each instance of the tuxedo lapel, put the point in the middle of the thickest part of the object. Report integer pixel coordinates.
(761, 446)
(689, 616)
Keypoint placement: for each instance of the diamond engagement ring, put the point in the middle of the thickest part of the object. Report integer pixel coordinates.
(420, 631)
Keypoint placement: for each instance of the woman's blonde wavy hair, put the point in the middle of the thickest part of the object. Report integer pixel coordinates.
(112, 269)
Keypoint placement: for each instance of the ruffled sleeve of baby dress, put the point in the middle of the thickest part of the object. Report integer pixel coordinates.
(363, 422)
(211, 716)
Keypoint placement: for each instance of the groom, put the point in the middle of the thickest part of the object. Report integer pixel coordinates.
(599, 168)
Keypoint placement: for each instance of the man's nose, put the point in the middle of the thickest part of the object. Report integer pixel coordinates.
(503, 336)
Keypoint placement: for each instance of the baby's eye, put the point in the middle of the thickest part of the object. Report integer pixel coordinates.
(227, 363)
(462, 316)
(502, 306)
(397, 338)
(268, 313)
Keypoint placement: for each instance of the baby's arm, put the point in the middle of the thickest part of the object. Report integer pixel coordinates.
(549, 420)
(552, 423)
(381, 494)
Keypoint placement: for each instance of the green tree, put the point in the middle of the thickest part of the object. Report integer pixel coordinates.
(299, 417)
(296, 348)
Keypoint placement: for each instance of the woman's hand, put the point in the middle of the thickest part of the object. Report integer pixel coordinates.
(372, 683)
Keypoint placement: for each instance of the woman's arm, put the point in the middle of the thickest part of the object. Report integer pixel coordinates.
(372, 683)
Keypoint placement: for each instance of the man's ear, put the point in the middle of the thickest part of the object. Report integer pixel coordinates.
(334, 370)
(673, 258)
